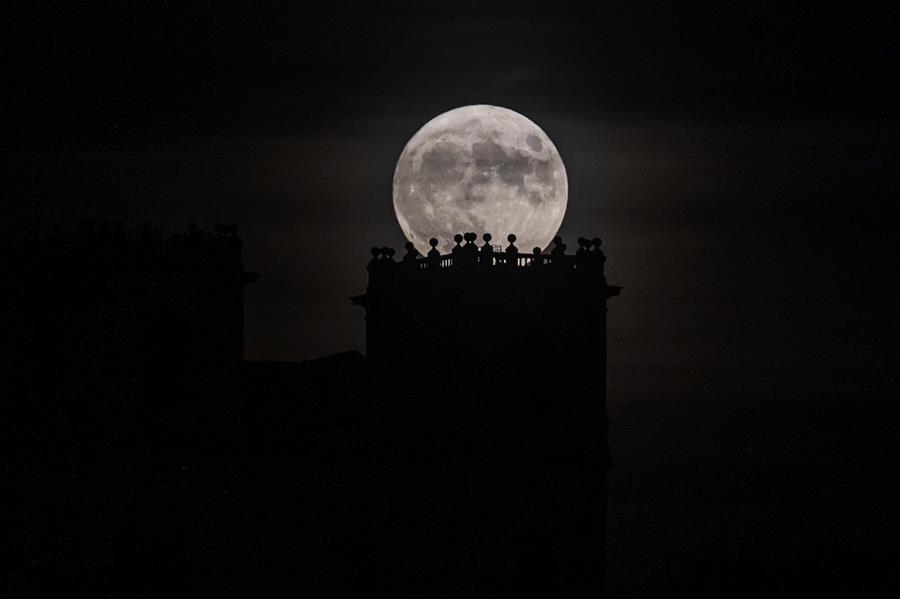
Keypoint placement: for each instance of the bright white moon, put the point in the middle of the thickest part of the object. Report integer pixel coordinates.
(483, 169)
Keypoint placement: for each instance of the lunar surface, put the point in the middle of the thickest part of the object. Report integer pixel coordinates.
(483, 169)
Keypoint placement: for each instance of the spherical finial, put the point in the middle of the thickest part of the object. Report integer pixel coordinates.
(536, 251)
(597, 241)
(582, 241)
(557, 240)
(487, 237)
(511, 238)
(409, 245)
(433, 242)
(458, 238)
(470, 237)
(375, 251)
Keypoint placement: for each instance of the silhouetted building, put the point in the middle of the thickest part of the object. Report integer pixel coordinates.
(105, 303)
(465, 456)
(500, 363)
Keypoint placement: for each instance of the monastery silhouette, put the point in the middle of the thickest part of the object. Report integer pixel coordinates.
(465, 455)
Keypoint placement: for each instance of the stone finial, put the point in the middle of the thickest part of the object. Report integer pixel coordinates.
(511, 248)
(487, 249)
(456, 249)
(597, 252)
(433, 253)
(559, 248)
(411, 252)
(584, 246)
(376, 253)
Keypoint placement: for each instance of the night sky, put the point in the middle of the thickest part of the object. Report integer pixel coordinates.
(736, 158)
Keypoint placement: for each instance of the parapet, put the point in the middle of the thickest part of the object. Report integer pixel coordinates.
(467, 255)
(501, 272)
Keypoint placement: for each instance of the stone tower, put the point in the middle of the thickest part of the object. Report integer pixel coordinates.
(498, 361)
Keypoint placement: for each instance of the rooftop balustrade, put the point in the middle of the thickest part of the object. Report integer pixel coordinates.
(466, 254)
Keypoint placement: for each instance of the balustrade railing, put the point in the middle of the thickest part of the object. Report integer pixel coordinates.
(470, 255)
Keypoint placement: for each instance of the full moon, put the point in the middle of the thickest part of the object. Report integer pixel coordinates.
(483, 169)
